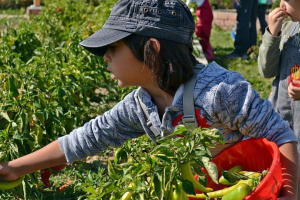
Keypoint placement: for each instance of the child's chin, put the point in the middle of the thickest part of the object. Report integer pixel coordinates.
(122, 85)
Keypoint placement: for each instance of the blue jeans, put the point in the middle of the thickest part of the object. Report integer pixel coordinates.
(246, 34)
(262, 17)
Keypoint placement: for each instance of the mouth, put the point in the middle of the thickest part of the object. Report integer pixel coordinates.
(112, 76)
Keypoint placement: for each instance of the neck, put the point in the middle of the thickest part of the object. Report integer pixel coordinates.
(161, 99)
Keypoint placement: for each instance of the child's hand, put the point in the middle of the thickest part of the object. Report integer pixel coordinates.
(276, 18)
(293, 90)
(6, 174)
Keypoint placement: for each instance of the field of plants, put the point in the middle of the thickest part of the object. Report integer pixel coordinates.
(50, 85)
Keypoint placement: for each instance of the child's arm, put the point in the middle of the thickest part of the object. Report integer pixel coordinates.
(49, 156)
(269, 50)
(294, 91)
(290, 171)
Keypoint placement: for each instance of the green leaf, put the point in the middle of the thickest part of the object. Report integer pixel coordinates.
(61, 93)
(264, 172)
(90, 189)
(214, 134)
(163, 158)
(108, 187)
(24, 121)
(37, 105)
(161, 148)
(168, 178)
(231, 177)
(197, 167)
(211, 169)
(14, 126)
(13, 91)
(188, 187)
(5, 116)
(202, 180)
(40, 116)
(157, 180)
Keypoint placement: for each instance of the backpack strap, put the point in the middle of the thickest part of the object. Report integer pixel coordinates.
(189, 116)
(188, 103)
(149, 123)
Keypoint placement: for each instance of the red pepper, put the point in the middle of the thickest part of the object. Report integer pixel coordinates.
(59, 167)
(45, 177)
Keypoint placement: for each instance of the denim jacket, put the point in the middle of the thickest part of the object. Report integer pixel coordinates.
(223, 100)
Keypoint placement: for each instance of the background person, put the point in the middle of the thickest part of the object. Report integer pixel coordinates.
(246, 34)
(205, 17)
(263, 5)
(279, 56)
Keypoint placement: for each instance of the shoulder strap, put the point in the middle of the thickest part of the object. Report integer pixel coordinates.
(188, 103)
(188, 99)
(149, 123)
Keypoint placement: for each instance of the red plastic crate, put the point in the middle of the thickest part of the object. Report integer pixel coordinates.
(253, 155)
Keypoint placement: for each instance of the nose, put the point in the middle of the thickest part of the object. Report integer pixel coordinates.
(106, 57)
(282, 4)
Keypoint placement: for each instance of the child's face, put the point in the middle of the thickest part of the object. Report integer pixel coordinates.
(292, 7)
(125, 67)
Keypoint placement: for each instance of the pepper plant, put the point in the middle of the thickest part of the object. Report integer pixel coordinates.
(153, 171)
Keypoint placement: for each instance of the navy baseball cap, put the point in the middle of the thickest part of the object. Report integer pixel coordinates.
(164, 19)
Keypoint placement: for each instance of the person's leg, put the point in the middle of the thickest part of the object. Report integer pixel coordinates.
(253, 19)
(242, 37)
(262, 17)
(203, 28)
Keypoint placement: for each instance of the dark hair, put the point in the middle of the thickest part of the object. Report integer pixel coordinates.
(173, 65)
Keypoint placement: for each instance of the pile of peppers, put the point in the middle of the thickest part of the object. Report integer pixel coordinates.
(239, 184)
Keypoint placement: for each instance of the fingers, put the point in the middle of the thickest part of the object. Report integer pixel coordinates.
(294, 90)
(276, 18)
(296, 82)
(5, 173)
(279, 15)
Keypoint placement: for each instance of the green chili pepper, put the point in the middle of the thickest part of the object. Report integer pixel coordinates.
(238, 193)
(234, 169)
(120, 155)
(187, 174)
(250, 174)
(7, 185)
(221, 193)
(127, 195)
(177, 194)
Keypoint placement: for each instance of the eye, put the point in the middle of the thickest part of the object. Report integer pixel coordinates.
(112, 47)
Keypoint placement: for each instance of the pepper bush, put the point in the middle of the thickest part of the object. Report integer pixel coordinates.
(49, 84)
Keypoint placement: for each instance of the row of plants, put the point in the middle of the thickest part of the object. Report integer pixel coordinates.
(48, 83)
(21, 4)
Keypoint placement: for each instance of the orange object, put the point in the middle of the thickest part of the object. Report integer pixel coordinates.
(61, 188)
(253, 155)
(70, 182)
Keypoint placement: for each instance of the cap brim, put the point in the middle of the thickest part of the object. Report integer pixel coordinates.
(98, 42)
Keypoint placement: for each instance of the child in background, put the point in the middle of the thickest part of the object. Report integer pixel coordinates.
(279, 56)
(203, 26)
(147, 43)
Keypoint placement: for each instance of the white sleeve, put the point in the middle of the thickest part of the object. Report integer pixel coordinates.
(188, 2)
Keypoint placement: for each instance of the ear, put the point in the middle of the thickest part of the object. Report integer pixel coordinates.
(155, 44)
